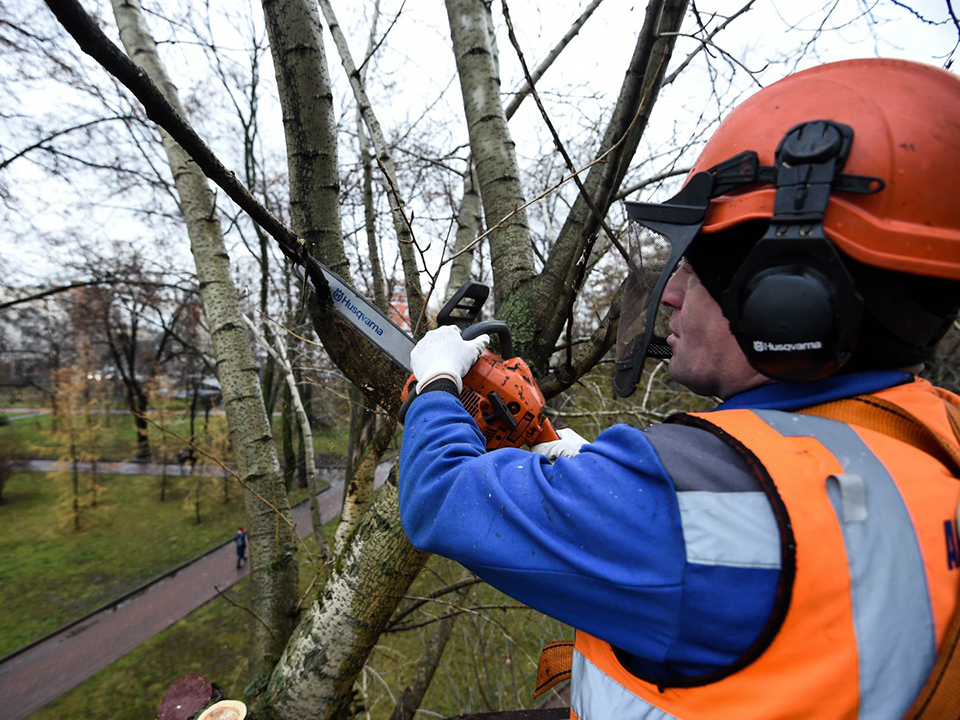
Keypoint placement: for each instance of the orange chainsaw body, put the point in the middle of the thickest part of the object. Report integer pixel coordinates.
(505, 401)
(499, 393)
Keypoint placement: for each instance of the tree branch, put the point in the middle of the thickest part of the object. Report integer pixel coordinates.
(92, 41)
(545, 64)
(58, 133)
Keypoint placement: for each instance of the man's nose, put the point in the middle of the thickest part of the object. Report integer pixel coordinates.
(673, 292)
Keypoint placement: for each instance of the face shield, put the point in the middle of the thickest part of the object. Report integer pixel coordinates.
(658, 236)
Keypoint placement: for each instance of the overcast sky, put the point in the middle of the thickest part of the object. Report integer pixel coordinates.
(413, 79)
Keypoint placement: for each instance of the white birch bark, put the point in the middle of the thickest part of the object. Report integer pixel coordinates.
(315, 676)
(296, 43)
(272, 542)
(306, 98)
(491, 145)
(370, 221)
(468, 228)
(411, 272)
(469, 220)
(278, 351)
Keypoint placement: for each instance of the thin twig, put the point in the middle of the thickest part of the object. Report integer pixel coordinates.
(729, 56)
(475, 610)
(433, 596)
(253, 614)
(673, 76)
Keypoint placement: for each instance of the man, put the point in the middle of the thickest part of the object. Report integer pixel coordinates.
(792, 553)
(240, 543)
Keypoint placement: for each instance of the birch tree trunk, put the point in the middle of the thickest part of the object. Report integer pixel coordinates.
(375, 434)
(469, 220)
(296, 44)
(468, 228)
(303, 82)
(272, 542)
(315, 676)
(279, 353)
(492, 148)
(334, 637)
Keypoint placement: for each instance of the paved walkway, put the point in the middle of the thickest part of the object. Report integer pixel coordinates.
(110, 467)
(40, 673)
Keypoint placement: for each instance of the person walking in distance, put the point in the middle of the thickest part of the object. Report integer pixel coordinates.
(240, 541)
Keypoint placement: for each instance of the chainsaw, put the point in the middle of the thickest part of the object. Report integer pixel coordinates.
(499, 391)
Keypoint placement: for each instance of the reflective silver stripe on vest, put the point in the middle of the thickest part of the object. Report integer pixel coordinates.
(594, 695)
(892, 615)
(729, 528)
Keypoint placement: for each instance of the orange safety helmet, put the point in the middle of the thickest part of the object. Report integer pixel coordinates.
(907, 122)
(860, 157)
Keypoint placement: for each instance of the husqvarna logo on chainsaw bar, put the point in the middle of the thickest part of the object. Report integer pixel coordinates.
(339, 296)
(763, 346)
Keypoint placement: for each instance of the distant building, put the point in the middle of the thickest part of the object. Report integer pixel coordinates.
(399, 311)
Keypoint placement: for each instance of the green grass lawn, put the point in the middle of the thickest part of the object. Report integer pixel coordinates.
(117, 436)
(213, 640)
(489, 664)
(50, 574)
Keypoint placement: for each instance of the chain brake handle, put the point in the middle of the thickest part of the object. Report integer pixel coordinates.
(463, 308)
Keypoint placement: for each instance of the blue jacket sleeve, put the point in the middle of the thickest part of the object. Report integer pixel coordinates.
(594, 541)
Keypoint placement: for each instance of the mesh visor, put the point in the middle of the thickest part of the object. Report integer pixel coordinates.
(649, 256)
(657, 237)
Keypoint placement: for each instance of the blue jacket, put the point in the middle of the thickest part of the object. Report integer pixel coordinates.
(597, 541)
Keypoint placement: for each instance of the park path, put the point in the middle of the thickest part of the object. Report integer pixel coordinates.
(39, 673)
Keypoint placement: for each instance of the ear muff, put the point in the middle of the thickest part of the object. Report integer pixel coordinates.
(793, 305)
(794, 309)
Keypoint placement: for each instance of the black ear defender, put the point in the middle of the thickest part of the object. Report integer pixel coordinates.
(793, 305)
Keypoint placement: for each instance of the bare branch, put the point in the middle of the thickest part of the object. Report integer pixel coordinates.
(454, 587)
(545, 64)
(676, 73)
(639, 185)
(58, 133)
(93, 42)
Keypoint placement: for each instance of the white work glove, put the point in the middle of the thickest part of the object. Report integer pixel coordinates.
(444, 352)
(568, 445)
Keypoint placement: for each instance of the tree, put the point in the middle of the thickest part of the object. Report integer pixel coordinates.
(11, 453)
(135, 321)
(76, 435)
(272, 541)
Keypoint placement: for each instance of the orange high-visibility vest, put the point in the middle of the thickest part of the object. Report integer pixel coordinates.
(870, 576)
